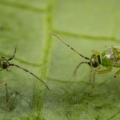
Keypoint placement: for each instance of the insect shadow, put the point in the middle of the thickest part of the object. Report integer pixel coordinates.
(5, 64)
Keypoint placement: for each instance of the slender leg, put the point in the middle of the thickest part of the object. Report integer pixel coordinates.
(13, 54)
(104, 71)
(95, 52)
(90, 74)
(98, 72)
(93, 85)
(78, 67)
(116, 74)
(6, 92)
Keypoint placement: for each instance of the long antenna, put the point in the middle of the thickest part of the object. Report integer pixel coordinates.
(31, 74)
(14, 53)
(79, 66)
(70, 46)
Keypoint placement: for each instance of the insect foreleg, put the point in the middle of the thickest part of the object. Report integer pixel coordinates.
(116, 74)
(99, 72)
(93, 85)
(6, 93)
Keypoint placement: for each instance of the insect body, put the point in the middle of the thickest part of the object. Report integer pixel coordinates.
(109, 58)
(4, 64)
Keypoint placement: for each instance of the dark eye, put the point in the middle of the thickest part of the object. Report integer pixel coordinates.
(4, 65)
(94, 64)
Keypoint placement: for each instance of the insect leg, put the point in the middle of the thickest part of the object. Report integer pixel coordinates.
(78, 67)
(6, 92)
(95, 52)
(104, 71)
(93, 85)
(98, 72)
(116, 74)
(90, 74)
(13, 54)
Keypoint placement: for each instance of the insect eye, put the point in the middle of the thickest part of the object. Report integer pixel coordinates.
(94, 64)
(4, 65)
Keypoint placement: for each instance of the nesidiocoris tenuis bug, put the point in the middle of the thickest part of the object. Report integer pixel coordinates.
(4, 64)
(109, 58)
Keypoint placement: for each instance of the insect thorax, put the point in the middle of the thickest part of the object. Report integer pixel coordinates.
(110, 57)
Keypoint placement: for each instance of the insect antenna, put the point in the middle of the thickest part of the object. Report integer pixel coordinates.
(31, 74)
(13, 54)
(79, 66)
(70, 46)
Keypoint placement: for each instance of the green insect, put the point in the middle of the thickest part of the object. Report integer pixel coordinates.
(4, 64)
(109, 58)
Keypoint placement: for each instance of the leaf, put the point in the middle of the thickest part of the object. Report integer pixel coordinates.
(84, 25)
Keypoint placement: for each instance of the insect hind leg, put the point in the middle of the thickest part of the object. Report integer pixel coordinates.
(115, 75)
(6, 93)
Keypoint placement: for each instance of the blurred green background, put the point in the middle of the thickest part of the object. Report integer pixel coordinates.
(86, 25)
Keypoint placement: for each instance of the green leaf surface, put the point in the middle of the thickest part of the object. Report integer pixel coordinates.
(85, 25)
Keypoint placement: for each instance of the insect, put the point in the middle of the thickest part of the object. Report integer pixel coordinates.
(4, 64)
(109, 58)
